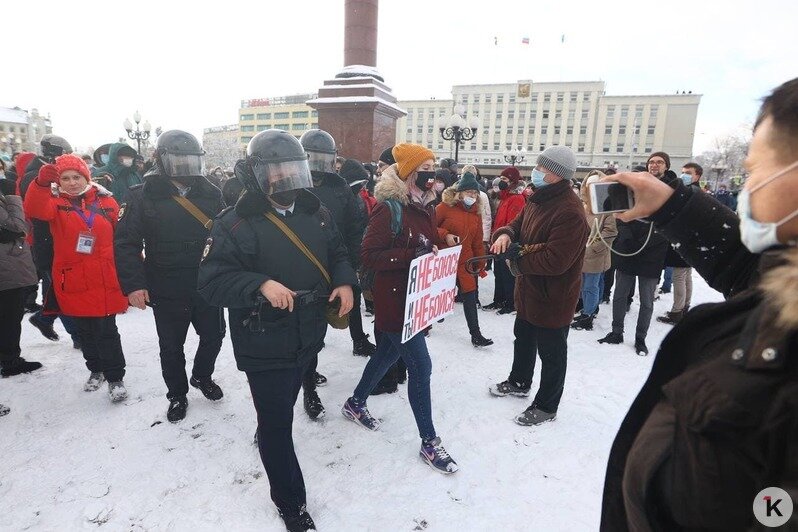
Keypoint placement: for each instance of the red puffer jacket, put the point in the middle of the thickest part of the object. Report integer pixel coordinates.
(510, 206)
(84, 285)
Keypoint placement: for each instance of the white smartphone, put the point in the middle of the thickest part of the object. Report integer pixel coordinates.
(607, 197)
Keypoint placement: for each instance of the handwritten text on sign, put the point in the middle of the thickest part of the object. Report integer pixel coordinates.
(431, 287)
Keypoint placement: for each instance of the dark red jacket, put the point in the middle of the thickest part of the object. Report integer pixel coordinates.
(510, 206)
(84, 285)
(390, 256)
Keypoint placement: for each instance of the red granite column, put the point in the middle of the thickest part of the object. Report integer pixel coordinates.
(360, 35)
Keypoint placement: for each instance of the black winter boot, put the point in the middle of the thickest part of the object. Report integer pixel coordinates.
(612, 338)
(313, 406)
(582, 322)
(640, 347)
(297, 521)
(177, 409)
(363, 348)
(17, 366)
(209, 389)
(45, 328)
(477, 340)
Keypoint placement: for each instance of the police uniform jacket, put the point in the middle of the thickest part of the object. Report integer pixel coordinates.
(245, 250)
(171, 237)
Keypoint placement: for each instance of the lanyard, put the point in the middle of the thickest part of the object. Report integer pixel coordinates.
(90, 220)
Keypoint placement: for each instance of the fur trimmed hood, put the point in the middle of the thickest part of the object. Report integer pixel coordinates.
(449, 197)
(390, 186)
(779, 287)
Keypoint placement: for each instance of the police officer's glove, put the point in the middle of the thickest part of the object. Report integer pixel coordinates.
(244, 174)
(424, 246)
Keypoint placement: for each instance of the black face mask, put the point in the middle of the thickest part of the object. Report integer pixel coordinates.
(285, 198)
(504, 185)
(425, 180)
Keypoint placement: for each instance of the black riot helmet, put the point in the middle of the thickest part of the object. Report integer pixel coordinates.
(320, 147)
(277, 163)
(179, 154)
(53, 146)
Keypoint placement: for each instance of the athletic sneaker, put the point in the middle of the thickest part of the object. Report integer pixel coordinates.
(534, 416)
(117, 391)
(503, 389)
(95, 380)
(436, 456)
(359, 414)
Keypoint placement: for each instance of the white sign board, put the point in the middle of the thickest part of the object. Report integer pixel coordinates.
(431, 288)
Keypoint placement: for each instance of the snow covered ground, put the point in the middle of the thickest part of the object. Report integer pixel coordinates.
(70, 460)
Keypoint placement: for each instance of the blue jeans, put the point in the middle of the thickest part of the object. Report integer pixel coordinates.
(668, 279)
(419, 369)
(591, 292)
(49, 319)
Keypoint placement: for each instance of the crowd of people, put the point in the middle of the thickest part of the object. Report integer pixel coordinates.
(301, 236)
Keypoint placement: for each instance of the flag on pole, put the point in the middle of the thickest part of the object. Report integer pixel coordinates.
(525, 40)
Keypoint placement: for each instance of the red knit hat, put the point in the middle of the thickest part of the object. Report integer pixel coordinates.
(511, 173)
(72, 162)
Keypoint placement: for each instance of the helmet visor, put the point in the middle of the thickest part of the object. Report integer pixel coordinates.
(282, 176)
(321, 162)
(183, 165)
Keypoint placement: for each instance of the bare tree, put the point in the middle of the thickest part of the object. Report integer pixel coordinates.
(723, 163)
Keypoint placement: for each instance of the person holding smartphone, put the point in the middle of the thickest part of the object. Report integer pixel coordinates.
(716, 420)
(459, 213)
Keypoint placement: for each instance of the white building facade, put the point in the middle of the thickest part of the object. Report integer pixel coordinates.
(603, 130)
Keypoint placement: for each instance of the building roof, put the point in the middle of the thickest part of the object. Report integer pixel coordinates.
(14, 116)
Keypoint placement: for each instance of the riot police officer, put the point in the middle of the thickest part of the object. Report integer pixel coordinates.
(268, 260)
(169, 217)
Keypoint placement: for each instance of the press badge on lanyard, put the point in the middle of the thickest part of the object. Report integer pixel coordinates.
(86, 238)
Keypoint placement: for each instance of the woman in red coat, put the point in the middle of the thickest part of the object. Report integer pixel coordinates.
(401, 228)
(511, 203)
(82, 217)
(459, 213)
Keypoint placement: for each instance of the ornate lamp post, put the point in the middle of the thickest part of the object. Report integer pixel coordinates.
(139, 134)
(458, 129)
(9, 141)
(515, 156)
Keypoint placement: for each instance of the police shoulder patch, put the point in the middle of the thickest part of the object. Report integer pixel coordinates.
(207, 250)
(121, 211)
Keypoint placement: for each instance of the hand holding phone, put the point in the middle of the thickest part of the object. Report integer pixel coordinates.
(650, 194)
(609, 197)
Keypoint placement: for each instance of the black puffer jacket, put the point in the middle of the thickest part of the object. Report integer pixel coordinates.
(338, 198)
(245, 250)
(632, 237)
(717, 419)
(172, 239)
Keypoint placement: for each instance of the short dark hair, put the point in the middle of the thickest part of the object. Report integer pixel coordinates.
(782, 107)
(695, 166)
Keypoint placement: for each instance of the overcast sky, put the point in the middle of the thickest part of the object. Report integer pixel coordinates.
(187, 65)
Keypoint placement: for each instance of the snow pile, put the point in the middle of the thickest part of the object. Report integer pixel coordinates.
(73, 461)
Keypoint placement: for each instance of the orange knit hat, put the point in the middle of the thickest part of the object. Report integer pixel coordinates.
(409, 157)
(72, 162)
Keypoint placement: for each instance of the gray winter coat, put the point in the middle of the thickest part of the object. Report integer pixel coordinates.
(16, 263)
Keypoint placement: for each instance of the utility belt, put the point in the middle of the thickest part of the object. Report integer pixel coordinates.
(177, 247)
(263, 310)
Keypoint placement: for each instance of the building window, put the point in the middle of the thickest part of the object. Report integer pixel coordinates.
(569, 130)
(246, 139)
(556, 130)
(299, 127)
(653, 113)
(605, 149)
(638, 111)
(608, 130)
(542, 146)
(488, 98)
(586, 97)
(650, 130)
(571, 114)
(534, 100)
(544, 130)
(648, 149)
(546, 97)
(264, 116)
(619, 148)
(559, 96)
(545, 114)
(280, 115)
(531, 130)
(484, 146)
(299, 114)
(582, 130)
(314, 113)
(262, 127)
(581, 148)
(247, 128)
(622, 130)
(510, 115)
(573, 97)
(314, 126)
(284, 127)
(243, 117)
(557, 115)
(533, 115)
(499, 98)
(610, 111)
(584, 115)
(624, 111)
(409, 131)
(496, 146)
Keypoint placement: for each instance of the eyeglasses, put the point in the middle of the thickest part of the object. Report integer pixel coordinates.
(656, 163)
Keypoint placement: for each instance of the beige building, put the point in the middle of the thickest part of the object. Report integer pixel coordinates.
(602, 129)
(289, 113)
(21, 130)
(222, 146)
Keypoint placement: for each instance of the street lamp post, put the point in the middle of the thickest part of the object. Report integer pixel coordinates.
(458, 129)
(719, 169)
(515, 156)
(139, 134)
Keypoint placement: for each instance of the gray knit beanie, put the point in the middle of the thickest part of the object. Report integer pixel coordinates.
(559, 160)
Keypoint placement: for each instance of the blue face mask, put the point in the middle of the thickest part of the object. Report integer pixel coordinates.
(538, 177)
(755, 235)
(468, 201)
(687, 179)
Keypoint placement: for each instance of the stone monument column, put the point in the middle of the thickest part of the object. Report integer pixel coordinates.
(356, 107)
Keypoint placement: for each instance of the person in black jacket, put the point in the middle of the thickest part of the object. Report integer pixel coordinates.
(276, 296)
(52, 147)
(169, 217)
(338, 198)
(716, 422)
(639, 255)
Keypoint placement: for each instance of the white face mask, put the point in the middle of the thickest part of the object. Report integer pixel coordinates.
(127, 161)
(468, 201)
(758, 236)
